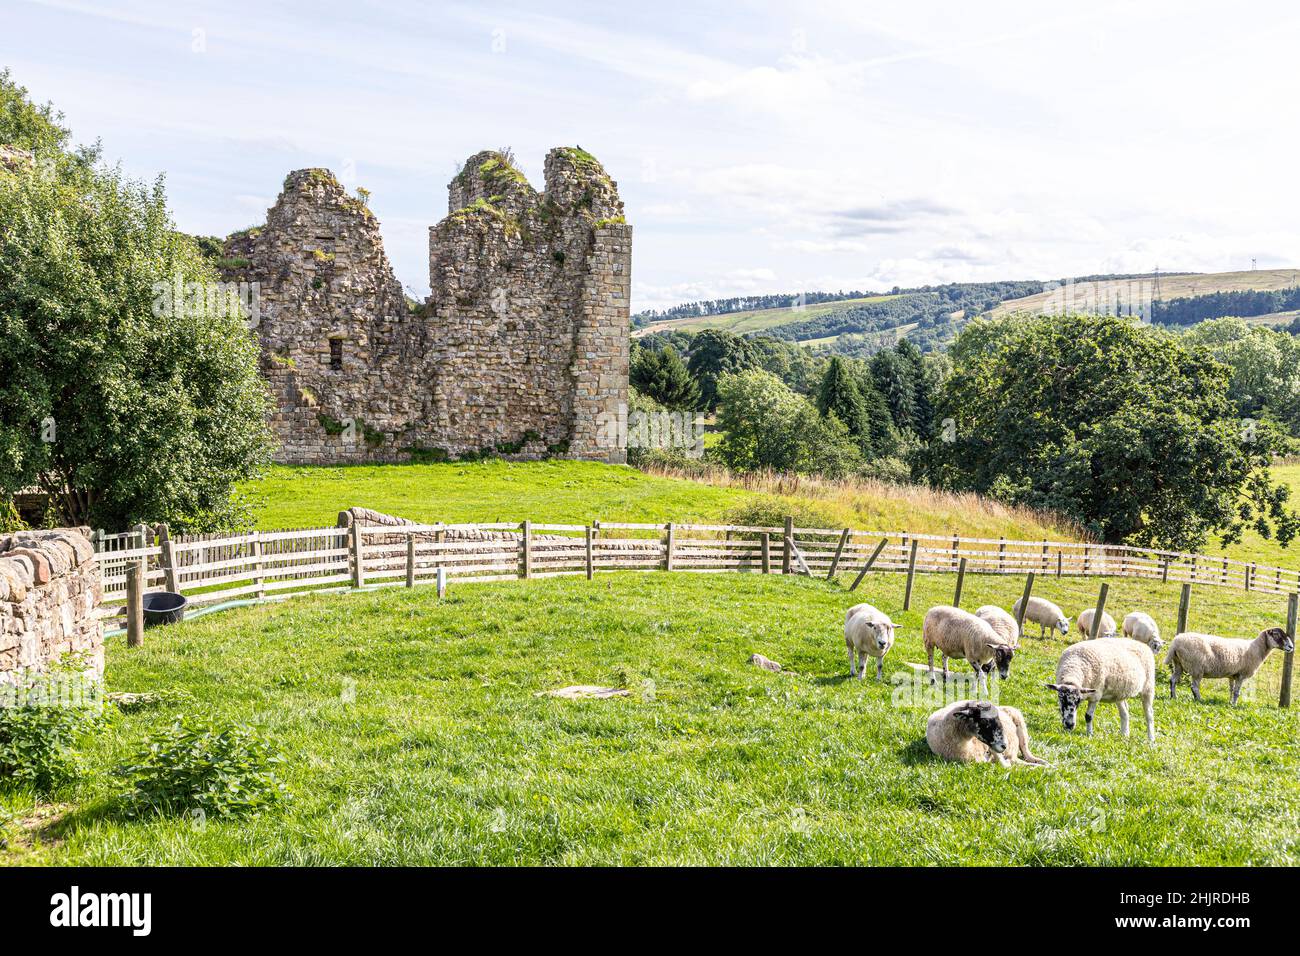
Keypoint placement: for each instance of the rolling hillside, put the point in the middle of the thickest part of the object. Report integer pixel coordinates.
(756, 320)
(1096, 295)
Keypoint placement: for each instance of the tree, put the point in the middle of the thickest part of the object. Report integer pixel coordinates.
(838, 395)
(122, 406)
(660, 374)
(893, 377)
(1264, 364)
(715, 353)
(766, 425)
(1116, 424)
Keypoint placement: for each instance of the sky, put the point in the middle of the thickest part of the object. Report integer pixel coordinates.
(758, 147)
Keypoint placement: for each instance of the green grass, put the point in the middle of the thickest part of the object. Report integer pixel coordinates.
(578, 492)
(1100, 291)
(756, 320)
(444, 755)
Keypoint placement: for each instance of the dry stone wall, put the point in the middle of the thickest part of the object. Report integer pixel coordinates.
(50, 590)
(521, 348)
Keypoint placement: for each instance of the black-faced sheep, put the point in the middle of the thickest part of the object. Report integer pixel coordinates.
(870, 633)
(1112, 671)
(1204, 655)
(975, 731)
(1045, 614)
(957, 633)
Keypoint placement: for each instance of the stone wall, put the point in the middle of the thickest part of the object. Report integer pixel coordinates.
(50, 589)
(520, 350)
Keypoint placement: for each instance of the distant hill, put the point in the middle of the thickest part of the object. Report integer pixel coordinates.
(755, 320)
(1132, 294)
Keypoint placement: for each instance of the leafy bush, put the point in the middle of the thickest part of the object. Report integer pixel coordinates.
(224, 771)
(769, 511)
(42, 720)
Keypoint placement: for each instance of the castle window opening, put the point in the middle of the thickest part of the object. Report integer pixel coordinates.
(336, 355)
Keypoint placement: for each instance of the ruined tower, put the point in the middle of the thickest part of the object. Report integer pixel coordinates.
(520, 350)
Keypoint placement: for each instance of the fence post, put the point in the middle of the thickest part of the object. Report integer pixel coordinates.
(961, 580)
(767, 552)
(142, 532)
(1046, 549)
(789, 541)
(1184, 604)
(835, 561)
(354, 544)
(668, 547)
(1024, 603)
(1164, 572)
(1099, 610)
(134, 606)
(98, 540)
(1250, 575)
(1087, 559)
(1002, 554)
(870, 561)
(410, 560)
(911, 575)
(1288, 659)
(259, 566)
(1060, 563)
(956, 547)
(171, 578)
(442, 582)
(591, 563)
(526, 545)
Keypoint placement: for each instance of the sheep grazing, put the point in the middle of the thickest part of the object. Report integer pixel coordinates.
(1111, 671)
(1000, 621)
(870, 633)
(1204, 655)
(957, 633)
(1141, 626)
(976, 731)
(1107, 628)
(1045, 614)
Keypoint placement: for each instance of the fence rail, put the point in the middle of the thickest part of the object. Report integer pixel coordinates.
(214, 568)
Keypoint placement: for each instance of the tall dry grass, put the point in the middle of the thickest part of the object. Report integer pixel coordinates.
(918, 506)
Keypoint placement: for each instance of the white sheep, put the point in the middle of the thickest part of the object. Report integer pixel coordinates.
(1111, 671)
(1107, 628)
(1204, 655)
(870, 633)
(1045, 614)
(1000, 621)
(975, 731)
(957, 633)
(1141, 626)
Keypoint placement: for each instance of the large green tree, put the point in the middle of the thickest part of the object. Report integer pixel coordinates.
(124, 401)
(660, 374)
(1116, 424)
(715, 353)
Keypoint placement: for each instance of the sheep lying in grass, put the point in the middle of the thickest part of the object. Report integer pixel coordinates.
(975, 731)
(1045, 614)
(1002, 622)
(957, 633)
(1204, 655)
(1111, 671)
(1107, 628)
(870, 633)
(1141, 626)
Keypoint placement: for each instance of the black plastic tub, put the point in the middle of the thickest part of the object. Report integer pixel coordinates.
(164, 607)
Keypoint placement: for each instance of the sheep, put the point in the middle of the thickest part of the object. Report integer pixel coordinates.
(1045, 614)
(974, 731)
(1111, 671)
(1000, 621)
(1107, 628)
(870, 633)
(1141, 626)
(957, 633)
(1204, 655)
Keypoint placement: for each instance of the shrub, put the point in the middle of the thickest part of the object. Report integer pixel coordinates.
(769, 511)
(43, 718)
(224, 771)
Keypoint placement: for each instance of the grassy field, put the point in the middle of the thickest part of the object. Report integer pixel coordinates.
(413, 735)
(1171, 287)
(1255, 548)
(757, 319)
(579, 492)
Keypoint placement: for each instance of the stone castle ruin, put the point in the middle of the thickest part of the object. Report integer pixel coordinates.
(521, 349)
